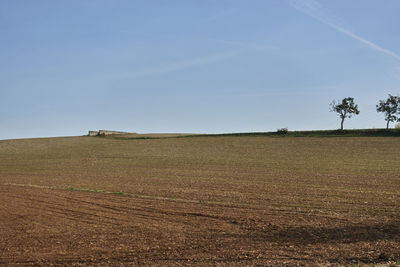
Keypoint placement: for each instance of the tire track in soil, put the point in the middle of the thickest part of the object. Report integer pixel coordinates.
(42, 226)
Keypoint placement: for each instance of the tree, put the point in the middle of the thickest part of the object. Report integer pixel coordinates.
(345, 109)
(391, 108)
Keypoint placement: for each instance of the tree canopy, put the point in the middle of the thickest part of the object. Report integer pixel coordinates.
(345, 109)
(391, 108)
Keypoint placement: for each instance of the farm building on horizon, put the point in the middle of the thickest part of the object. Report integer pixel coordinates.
(105, 132)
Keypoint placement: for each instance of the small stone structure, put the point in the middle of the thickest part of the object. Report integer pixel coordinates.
(93, 133)
(105, 132)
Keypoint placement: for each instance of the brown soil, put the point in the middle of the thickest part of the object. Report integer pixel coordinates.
(43, 226)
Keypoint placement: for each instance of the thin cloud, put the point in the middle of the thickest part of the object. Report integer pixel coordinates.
(168, 67)
(248, 45)
(397, 72)
(315, 10)
(224, 13)
(181, 65)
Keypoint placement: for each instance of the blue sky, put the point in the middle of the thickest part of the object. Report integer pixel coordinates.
(200, 66)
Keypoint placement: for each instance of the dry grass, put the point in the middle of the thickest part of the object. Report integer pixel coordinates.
(147, 135)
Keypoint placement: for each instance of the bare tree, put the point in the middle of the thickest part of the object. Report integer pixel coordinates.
(345, 109)
(391, 108)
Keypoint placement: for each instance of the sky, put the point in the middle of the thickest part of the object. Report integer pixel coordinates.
(193, 66)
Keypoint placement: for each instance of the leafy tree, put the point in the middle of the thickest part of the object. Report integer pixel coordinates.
(391, 108)
(345, 109)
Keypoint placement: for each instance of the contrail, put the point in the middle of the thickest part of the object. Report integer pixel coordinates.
(314, 9)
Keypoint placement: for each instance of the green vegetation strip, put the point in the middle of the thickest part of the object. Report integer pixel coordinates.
(96, 191)
(130, 194)
(157, 197)
(319, 133)
(316, 133)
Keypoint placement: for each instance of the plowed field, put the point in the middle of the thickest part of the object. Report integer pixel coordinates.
(200, 201)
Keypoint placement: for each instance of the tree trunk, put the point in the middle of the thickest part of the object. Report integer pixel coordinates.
(387, 125)
(341, 124)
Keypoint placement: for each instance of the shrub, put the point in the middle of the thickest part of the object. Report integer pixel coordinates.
(282, 131)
